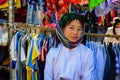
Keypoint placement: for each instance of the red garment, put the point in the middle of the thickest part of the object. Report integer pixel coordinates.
(61, 3)
(46, 18)
(107, 21)
(112, 14)
(74, 1)
(3, 1)
(99, 20)
(54, 5)
(57, 16)
(63, 6)
(49, 6)
(54, 1)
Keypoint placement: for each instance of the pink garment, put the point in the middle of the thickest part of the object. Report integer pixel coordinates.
(2, 1)
(115, 6)
(52, 25)
(44, 50)
(114, 0)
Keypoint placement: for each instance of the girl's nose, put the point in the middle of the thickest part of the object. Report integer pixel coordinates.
(75, 31)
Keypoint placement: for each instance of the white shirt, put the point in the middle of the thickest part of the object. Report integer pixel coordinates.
(65, 64)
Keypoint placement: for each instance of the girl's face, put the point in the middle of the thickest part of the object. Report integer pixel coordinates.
(118, 25)
(73, 31)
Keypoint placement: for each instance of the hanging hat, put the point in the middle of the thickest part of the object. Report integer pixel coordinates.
(115, 19)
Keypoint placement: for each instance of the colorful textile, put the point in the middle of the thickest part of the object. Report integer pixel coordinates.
(2, 1)
(67, 43)
(115, 5)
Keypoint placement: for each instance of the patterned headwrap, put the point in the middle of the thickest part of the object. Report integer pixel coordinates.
(60, 37)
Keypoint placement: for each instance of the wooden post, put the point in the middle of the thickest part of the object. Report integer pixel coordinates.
(11, 18)
(11, 27)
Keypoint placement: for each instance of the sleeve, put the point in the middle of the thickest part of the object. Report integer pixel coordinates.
(88, 67)
(48, 71)
(12, 49)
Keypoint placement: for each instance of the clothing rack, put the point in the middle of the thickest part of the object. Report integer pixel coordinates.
(32, 28)
(27, 26)
(102, 35)
(23, 26)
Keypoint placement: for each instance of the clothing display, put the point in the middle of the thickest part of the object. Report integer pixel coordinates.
(32, 41)
(108, 56)
(29, 52)
(26, 54)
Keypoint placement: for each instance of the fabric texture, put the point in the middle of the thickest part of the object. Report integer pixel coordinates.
(73, 63)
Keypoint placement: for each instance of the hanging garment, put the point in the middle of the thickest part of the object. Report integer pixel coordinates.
(115, 5)
(5, 5)
(54, 5)
(14, 49)
(19, 67)
(31, 58)
(107, 20)
(14, 45)
(49, 5)
(107, 63)
(99, 58)
(17, 3)
(111, 75)
(63, 6)
(3, 35)
(44, 50)
(2, 1)
(117, 53)
(74, 1)
(32, 14)
(102, 9)
(23, 54)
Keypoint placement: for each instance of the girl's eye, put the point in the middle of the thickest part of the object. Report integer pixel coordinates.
(71, 28)
(80, 29)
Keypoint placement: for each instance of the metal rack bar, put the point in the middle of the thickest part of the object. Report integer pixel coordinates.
(102, 35)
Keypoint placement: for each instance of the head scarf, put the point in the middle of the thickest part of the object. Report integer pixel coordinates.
(61, 37)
